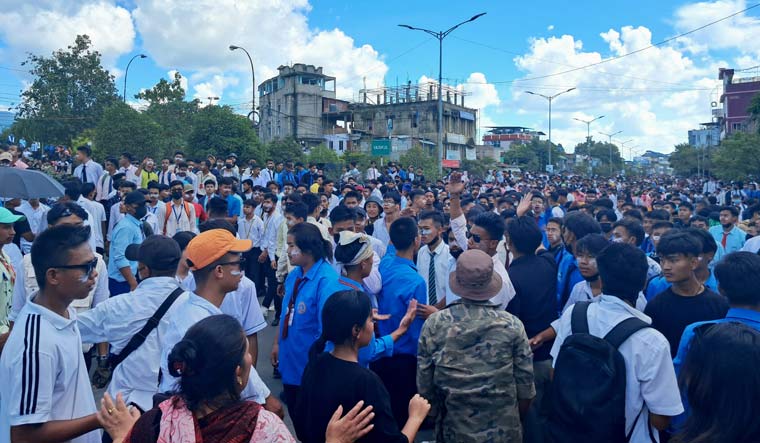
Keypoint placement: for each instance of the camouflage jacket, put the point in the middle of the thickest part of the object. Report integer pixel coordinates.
(473, 365)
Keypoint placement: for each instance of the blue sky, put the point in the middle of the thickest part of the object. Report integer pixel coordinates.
(654, 97)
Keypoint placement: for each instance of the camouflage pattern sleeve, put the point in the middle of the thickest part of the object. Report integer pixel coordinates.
(425, 363)
(523, 364)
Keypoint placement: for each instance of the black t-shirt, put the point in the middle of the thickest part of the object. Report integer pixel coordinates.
(535, 303)
(328, 382)
(671, 313)
(21, 227)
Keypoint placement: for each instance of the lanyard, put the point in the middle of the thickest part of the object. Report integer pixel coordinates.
(291, 306)
(248, 227)
(177, 214)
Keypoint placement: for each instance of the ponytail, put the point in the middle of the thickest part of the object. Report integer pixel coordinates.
(317, 347)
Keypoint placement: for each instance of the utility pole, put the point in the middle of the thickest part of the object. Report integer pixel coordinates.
(610, 146)
(440, 35)
(588, 133)
(211, 100)
(550, 98)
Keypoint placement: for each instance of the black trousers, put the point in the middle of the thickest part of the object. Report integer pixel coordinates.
(399, 375)
(252, 269)
(271, 292)
(289, 396)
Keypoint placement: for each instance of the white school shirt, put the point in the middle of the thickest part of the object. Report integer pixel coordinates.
(44, 374)
(250, 230)
(130, 174)
(506, 293)
(650, 377)
(242, 303)
(93, 171)
(441, 263)
(582, 292)
(177, 220)
(98, 214)
(381, 232)
(116, 216)
(102, 187)
(37, 219)
(116, 321)
(193, 310)
(269, 233)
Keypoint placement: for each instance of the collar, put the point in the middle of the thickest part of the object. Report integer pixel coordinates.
(743, 314)
(201, 302)
(314, 271)
(438, 249)
(132, 219)
(153, 282)
(405, 261)
(56, 320)
(617, 304)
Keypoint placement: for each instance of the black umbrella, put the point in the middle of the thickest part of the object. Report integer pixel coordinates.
(26, 184)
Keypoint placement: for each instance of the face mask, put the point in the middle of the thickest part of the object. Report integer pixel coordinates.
(606, 227)
(617, 239)
(140, 212)
(228, 165)
(176, 195)
(655, 238)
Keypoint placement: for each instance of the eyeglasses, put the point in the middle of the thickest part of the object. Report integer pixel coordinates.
(87, 268)
(240, 263)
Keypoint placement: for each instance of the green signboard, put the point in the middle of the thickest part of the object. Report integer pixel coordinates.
(381, 147)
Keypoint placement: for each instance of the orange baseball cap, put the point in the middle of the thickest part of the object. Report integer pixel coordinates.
(210, 246)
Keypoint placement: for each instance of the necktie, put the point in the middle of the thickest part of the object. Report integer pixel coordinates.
(291, 306)
(432, 298)
(84, 173)
(723, 240)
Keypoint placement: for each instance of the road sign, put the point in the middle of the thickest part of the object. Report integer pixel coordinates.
(381, 147)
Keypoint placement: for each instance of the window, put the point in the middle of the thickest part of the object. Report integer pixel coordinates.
(340, 145)
(331, 144)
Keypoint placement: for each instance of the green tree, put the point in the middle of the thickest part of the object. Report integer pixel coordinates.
(421, 158)
(69, 93)
(738, 157)
(123, 129)
(219, 131)
(321, 154)
(687, 160)
(168, 108)
(541, 147)
(523, 156)
(754, 111)
(362, 159)
(601, 152)
(284, 149)
(478, 168)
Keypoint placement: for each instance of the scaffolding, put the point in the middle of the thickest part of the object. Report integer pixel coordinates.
(410, 93)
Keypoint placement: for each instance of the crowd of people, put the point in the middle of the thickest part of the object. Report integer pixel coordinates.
(513, 307)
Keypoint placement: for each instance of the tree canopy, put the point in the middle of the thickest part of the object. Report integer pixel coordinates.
(70, 92)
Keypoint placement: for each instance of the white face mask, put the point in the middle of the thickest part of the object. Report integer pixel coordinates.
(617, 239)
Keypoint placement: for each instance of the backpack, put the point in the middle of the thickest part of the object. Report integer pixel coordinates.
(170, 211)
(588, 389)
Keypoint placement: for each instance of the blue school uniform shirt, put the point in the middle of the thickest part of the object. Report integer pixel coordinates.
(568, 276)
(126, 232)
(401, 284)
(315, 287)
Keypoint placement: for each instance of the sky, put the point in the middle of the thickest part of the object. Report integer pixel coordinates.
(653, 96)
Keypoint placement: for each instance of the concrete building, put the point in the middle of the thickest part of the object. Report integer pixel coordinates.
(707, 136)
(300, 103)
(737, 94)
(408, 116)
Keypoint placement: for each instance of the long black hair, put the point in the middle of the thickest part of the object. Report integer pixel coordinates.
(205, 361)
(723, 390)
(341, 312)
(309, 240)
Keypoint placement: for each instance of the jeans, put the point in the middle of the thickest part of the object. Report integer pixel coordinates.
(117, 287)
(535, 423)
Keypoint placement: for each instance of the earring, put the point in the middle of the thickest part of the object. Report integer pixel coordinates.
(240, 381)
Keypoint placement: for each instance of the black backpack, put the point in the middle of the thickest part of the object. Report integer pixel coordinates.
(588, 389)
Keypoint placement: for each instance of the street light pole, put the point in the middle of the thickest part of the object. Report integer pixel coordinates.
(440, 35)
(253, 80)
(211, 100)
(126, 73)
(610, 143)
(550, 98)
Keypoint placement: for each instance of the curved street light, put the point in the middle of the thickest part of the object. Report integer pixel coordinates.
(126, 73)
(550, 98)
(253, 81)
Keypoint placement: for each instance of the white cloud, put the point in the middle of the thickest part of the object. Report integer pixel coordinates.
(740, 32)
(550, 28)
(42, 26)
(196, 34)
(652, 96)
(213, 88)
(182, 79)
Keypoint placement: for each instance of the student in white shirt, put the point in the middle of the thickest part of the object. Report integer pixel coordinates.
(118, 319)
(125, 187)
(651, 386)
(35, 213)
(128, 169)
(177, 215)
(98, 213)
(89, 171)
(45, 391)
(106, 188)
(434, 251)
(215, 257)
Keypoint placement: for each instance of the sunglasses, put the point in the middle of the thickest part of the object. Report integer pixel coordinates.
(475, 237)
(87, 268)
(240, 263)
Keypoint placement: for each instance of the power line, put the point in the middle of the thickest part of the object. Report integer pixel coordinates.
(668, 40)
